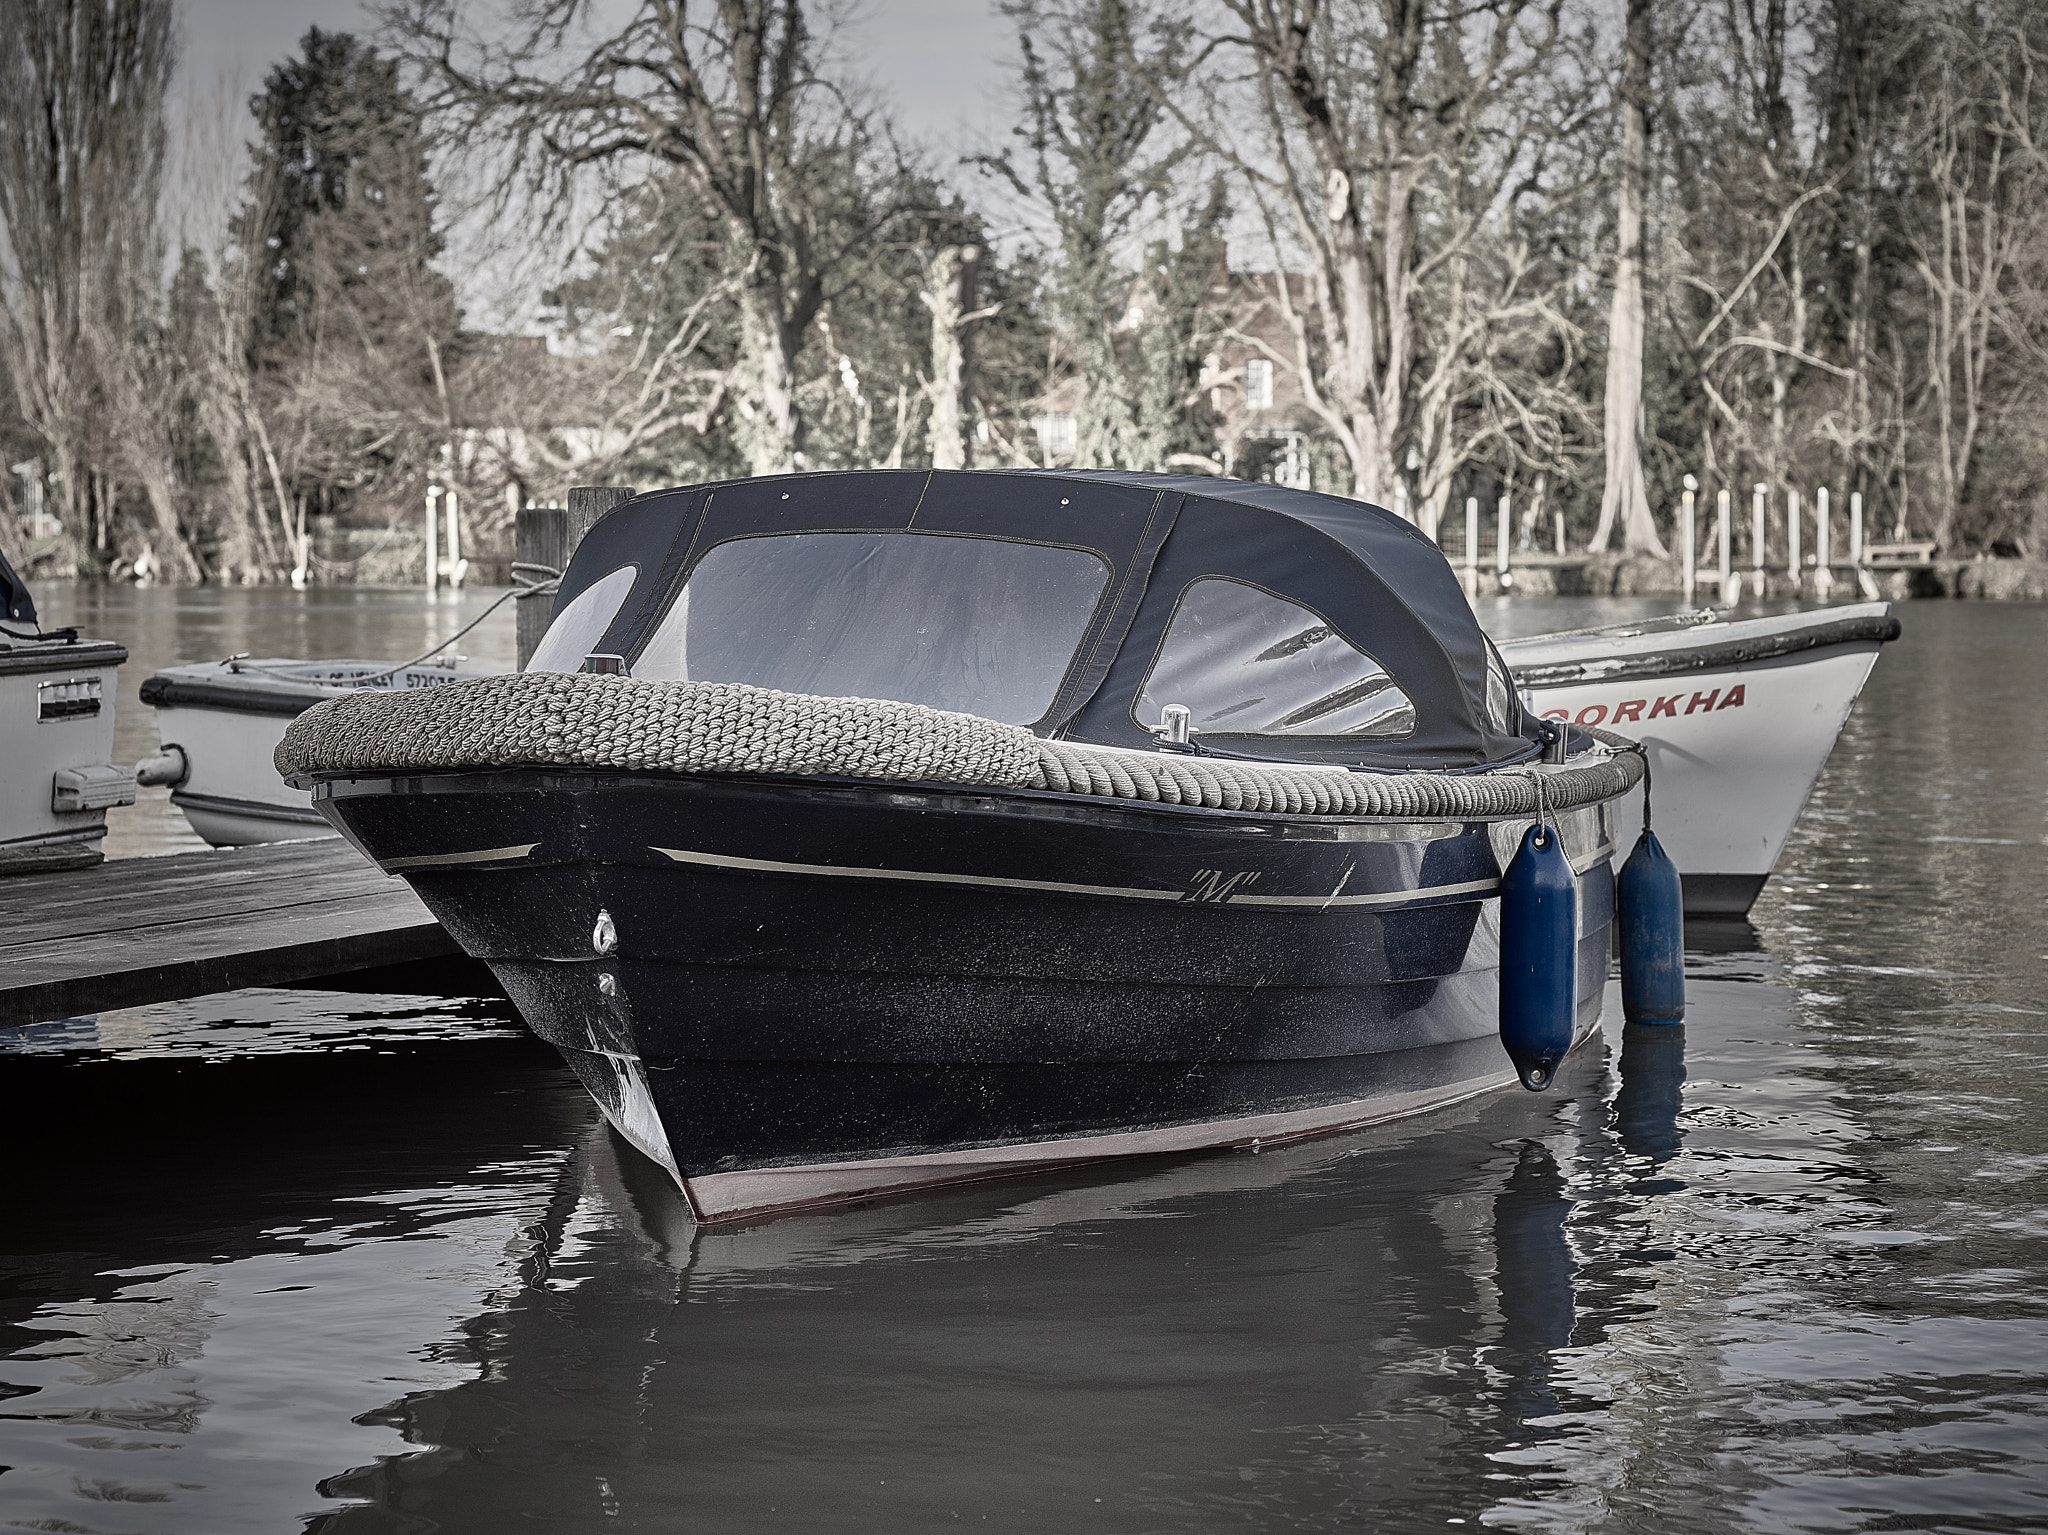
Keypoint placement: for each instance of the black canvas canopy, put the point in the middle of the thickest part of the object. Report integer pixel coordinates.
(1292, 625)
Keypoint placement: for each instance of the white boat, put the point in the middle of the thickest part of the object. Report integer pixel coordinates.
(56, 736)
(220, 722)
(1738, 716)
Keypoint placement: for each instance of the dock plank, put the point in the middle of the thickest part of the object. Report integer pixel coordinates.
(144, 930)
(225, 883)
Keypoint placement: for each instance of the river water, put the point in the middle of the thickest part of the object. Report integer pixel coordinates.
(354, 1263)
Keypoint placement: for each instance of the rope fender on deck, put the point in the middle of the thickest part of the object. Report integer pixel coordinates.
(561, 719)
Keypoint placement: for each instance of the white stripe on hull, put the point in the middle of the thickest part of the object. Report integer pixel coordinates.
(446, 860)
(917, 876)
(774, 1190)
(1335, 898)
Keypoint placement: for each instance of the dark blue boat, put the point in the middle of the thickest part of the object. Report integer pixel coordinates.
(858, 832)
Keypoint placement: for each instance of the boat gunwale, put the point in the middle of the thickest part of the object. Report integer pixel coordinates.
(323, 783)
(174, 687)
(1674, 659)
(28, 657)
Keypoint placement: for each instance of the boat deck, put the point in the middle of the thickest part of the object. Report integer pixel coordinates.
(144, 930)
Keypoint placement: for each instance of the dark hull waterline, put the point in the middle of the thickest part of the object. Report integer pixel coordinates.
(792, 993)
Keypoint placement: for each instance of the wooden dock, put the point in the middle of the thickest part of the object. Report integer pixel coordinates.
(142, 930)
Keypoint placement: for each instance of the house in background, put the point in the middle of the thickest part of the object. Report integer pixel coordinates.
(1263, 425)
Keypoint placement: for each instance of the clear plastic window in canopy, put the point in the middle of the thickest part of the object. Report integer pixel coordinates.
(576, 630)
(983, 626)
(1248, 663)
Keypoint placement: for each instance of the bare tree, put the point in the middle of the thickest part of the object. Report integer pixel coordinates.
(1380, 140)
(81, 165)
(599, 417)
(1624, 496)
(1753, 222)
(212, 309)
(1096, 161)
(1978, 248)
(734, 94)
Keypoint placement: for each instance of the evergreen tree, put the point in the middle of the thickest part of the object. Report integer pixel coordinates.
(350, 328)
(340, 207)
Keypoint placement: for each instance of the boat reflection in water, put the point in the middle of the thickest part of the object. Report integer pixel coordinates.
(1370, 1326)
(1533, 1274)
(1652, 1092)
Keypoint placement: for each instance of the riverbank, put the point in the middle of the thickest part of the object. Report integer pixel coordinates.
(1534, 575)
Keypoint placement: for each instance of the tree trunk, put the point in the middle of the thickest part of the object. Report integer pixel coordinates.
(772, 429)
(181, 563)
(1351, 342)
(1625, 498)
(945, 294)
(239, 558)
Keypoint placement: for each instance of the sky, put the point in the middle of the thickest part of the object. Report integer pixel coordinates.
(939, 59)
(941, 62)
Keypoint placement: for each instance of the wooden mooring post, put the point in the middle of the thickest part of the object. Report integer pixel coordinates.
(546, 538)
(540, 542)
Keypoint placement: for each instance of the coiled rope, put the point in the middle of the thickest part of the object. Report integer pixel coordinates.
(562, 719)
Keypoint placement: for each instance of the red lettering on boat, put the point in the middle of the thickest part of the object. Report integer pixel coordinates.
(1592, 714)
(1632, 710)
(1734, 698)
(1666, 706)
(1703, 702)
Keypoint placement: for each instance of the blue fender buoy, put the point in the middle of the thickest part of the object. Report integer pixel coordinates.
(1651, 899)
(1539, 956)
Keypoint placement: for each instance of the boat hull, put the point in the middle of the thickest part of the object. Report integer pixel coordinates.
(56, 717)
(227, 723)
(821, 991)
(1735, 745)
(1730, 778)
(232, 794)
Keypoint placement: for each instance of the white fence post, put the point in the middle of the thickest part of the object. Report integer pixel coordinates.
(433, 536)
(1687, 513)
(1792, 538)
(1731, 586)
(458, 567)
(1472, 544)
(1756, 535)
(1505, 540)
(1823, 544)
